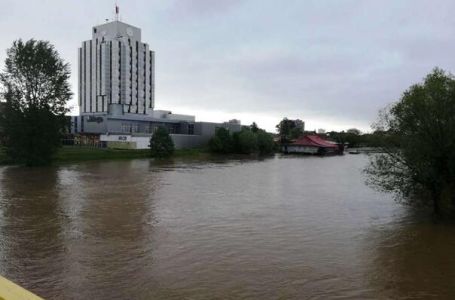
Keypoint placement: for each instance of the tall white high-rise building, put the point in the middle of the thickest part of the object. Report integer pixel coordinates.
(116, 72)
(117, 94)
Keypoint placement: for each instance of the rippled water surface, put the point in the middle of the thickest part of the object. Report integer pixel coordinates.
(279, 228)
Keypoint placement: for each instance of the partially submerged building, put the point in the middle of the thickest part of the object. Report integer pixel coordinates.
(312, 144)
(117, 93)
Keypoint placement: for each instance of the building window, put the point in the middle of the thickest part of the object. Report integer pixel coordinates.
(126, 127)
(75, 125)
(91, 106)
(80, 78)
(173, 128)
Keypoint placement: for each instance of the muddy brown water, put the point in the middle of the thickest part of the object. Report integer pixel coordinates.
(278, 228)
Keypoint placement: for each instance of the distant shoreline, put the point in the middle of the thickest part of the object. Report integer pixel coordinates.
(70, 154)
(74, 154)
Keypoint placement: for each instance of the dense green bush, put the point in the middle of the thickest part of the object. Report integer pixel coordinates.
(265, 142)
(33, 135)
(222, 141)
(245, 141)
(250, 139)
(161, 144)
(357, 139)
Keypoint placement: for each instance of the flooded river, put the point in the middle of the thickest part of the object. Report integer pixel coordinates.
(278, 228)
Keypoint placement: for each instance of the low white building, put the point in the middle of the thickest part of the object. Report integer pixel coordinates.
(202, 132)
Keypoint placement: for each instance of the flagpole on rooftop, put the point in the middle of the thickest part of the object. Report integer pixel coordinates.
(117, 11)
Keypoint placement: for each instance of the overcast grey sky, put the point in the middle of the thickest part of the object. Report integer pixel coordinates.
(333, 63)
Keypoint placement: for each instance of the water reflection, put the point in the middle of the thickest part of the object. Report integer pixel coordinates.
(31, 228)
(94, 219)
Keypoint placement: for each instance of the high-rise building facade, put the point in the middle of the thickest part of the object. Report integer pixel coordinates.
(116, 72)
(117, 94)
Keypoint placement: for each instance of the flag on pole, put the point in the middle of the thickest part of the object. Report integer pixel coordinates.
(116, 9)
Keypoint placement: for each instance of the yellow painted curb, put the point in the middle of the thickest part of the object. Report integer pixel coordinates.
(11, 291)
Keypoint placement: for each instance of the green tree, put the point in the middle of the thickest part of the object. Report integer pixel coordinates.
(355, 139)
(247, 142)
(36, 89)
(288, 130)
(354, 131)
(222, 141)
(254, 127)
(265, 143)
(161, 144)
(375, 139)
(418, 160)
(284, 130)
(250, 139)
(295, 133)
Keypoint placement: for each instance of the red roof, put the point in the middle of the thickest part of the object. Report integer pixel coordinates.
(313, 141)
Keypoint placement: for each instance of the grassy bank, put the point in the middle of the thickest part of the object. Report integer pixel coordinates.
(73, 154)
(76, 154)
(70, 154)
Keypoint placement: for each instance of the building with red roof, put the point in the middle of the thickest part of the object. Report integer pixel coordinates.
(312, 144)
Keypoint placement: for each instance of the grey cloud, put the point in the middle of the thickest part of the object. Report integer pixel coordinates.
(324, 60)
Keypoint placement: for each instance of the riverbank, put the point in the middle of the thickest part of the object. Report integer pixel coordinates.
(78, 154)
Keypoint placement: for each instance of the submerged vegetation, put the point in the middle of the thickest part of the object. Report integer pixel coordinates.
(354, 138)
(249, 140)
